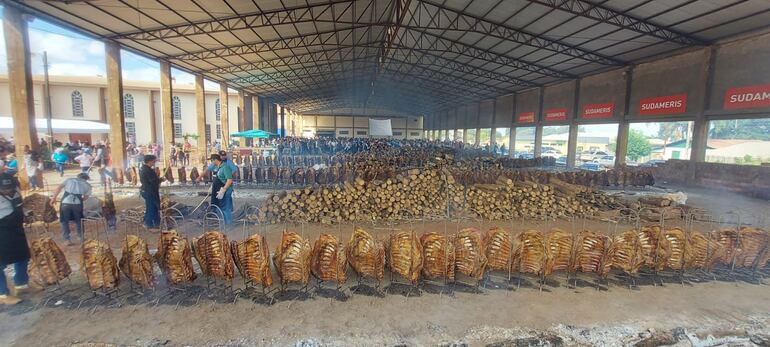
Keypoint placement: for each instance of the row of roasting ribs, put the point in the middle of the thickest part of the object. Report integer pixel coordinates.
(432, 256)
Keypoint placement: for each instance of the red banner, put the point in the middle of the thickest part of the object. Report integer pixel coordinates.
(669, 104)
(555, 114)
(598, 111)
(747, 97)
(526, 117)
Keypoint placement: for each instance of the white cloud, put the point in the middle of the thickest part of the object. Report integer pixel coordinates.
(71, 69)
(141, 74)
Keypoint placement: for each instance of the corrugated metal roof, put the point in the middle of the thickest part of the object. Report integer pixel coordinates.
(410, 56)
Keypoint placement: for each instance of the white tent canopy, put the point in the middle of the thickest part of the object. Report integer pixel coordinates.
(61, 126)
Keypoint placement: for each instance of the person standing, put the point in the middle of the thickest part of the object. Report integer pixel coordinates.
(85, 160)
(76, 191)
(150, 192)
(13, 243)
(59, 158)
(34, 167)
(222, 188)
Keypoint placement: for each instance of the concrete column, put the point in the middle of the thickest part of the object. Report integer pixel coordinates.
(539, 126)
(621, 148)
(200, 115)
(115, 115)
(241, 117)
(512, 142)
(283, 122)
(224, 115)
(166, 109)
(701, 125)
(248, 116)
(538, 140)
(573, 129)
(20, 85)
(572, 145)
(255, 109)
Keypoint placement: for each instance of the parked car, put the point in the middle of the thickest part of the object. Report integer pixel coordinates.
(561, 161)
(652, 163)
(606, 161)
(592, 155)
(551, 153)
(590, 166)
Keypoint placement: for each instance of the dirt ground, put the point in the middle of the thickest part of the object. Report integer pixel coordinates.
(701, 312)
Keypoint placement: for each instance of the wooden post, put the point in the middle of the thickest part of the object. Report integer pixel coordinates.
(166, 110)
(20, 85)
(573, 129)
(200, 112)
(153, 117)
(224, 115)
(115, 114)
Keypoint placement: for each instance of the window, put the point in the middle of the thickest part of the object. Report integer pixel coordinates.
(344, 132)
(361, 132)
(219, 131)
(397, 133)
(459, 133)
(131, 131)
(659, 141)
(502, 139)
(217, 108)
(485, 137)
(524, 147)
(555, 140)
(176, 107)
(470, 136)
(414, 133)
(592, 141)
(739, 141)
(177, 130)
(77, 104)
(128, 106)
(208, 133)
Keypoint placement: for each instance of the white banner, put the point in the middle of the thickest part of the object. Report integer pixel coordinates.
(380, 127)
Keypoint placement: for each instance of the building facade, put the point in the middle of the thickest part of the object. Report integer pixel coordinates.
(84, 98)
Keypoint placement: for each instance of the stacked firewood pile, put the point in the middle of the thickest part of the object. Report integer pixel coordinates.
(418, 193)
(415, 193)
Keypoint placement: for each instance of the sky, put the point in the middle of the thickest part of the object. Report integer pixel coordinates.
(87, 59)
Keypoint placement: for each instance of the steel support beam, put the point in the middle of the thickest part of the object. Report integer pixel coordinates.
(607, 15)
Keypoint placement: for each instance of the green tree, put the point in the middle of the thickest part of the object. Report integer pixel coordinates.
(638, 145)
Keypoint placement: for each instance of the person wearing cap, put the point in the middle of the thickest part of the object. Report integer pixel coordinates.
(150, 192)
(76, 191)
(13, 242)
(222, 188)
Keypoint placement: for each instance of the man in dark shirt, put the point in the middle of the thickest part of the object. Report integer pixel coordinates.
(150, 192)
